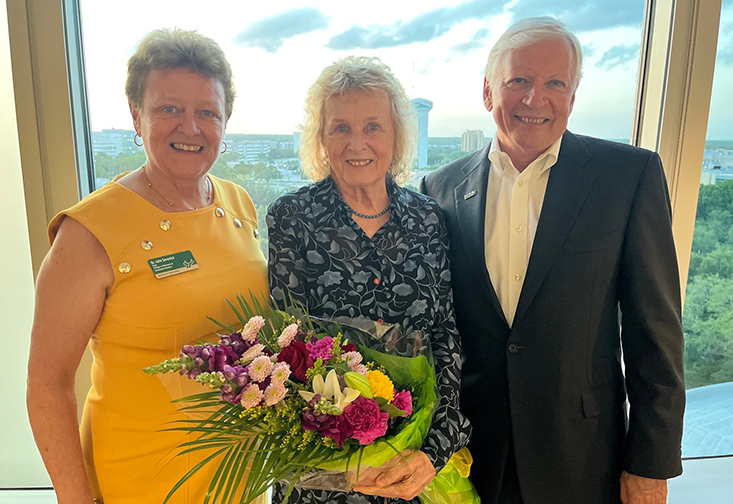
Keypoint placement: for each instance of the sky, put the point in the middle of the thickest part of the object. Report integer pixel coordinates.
(436, 48)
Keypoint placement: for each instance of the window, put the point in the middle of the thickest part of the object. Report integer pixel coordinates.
(708, 312)
(437, 49)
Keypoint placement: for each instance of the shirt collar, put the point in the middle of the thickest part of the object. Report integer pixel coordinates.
(546, 160)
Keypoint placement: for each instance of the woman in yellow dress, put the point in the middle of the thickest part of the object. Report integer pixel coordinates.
(133, 271)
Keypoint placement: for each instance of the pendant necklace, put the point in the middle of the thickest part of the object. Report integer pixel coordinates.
(206, 203)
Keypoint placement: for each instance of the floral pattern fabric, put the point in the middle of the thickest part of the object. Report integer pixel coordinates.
(322, 258)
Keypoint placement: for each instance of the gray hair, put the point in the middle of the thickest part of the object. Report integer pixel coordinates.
(363, 74)
(167, 49)
(529, 31)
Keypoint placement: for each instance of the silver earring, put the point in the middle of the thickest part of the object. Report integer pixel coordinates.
(134, 140)
(225, 148)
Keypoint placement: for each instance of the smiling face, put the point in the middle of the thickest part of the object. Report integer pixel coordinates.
(359, 137)
(181, 122)
(531, 96)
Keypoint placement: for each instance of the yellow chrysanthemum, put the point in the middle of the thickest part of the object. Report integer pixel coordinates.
(381, 385)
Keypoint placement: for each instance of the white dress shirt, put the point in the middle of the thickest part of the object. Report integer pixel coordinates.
(513, 205)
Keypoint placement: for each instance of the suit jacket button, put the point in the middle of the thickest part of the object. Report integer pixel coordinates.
(513, 348)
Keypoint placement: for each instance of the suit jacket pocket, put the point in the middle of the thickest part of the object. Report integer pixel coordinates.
(590, 242)
(604, 398)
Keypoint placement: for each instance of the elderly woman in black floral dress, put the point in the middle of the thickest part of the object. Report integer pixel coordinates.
(356, 244)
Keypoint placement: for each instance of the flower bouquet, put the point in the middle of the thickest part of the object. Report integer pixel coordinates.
(304, 401)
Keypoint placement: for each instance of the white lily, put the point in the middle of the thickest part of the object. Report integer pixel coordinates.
(331, 390)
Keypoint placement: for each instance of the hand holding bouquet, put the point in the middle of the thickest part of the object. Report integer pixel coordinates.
(295, 400)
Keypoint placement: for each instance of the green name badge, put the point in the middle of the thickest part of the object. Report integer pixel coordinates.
(173, 264)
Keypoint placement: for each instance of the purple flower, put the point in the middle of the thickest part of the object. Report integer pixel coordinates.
(366, 419)
(321, 349)
(219, 356)
(403, 400)
(334, 426)
(227, 394)
(236, 342)
(231, 373)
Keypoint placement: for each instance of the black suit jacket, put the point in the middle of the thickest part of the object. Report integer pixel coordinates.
(602, 275)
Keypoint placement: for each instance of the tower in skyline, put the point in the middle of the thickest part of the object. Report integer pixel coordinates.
(472, 140)
(422, 107)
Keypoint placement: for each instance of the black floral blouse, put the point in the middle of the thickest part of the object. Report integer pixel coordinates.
(323, 259)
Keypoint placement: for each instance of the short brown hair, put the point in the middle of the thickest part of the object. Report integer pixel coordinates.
(166, 49)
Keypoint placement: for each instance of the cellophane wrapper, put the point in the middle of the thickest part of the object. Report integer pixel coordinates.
(408, 360)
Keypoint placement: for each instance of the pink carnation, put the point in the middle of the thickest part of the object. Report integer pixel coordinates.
(361, 369)
(286, 337)
(251, 396)
(367, 420)
(353, 359)
(403, 400)
(321, 349)
(260, 368)
(274, 393)
(252, 327)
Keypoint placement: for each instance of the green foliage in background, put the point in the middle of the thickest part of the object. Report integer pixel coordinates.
(708, 313)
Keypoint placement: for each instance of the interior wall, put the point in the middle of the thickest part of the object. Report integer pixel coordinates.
(20, 462)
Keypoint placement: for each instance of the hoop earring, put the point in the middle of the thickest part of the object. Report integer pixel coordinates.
(225, 148)
(134, 140)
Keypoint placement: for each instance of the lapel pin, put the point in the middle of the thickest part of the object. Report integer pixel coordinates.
(470, 194)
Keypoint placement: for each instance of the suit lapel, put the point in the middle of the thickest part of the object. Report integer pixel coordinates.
(470, 198)
(568, 185)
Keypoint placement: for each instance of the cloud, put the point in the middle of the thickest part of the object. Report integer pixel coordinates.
(725, 45)
(584, 15)
(477, 42)
(618, 55)
(271, 32)
(424, 27)
(588, 50)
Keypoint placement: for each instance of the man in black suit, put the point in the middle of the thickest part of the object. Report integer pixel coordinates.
(561, 256)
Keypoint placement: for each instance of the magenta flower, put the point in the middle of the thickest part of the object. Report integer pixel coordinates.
(403, 400)
(334, 426)
(321, 349)
(367, 420)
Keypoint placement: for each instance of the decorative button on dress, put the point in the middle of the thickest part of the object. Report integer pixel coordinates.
(146, 320)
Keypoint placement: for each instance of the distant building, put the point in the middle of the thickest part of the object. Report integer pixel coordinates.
(296, 141)
(472, 140)
(114, 142)
(251, 150)
(422, 107)
(285, 146)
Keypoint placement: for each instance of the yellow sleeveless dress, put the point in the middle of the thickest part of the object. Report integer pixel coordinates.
(146, 320)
